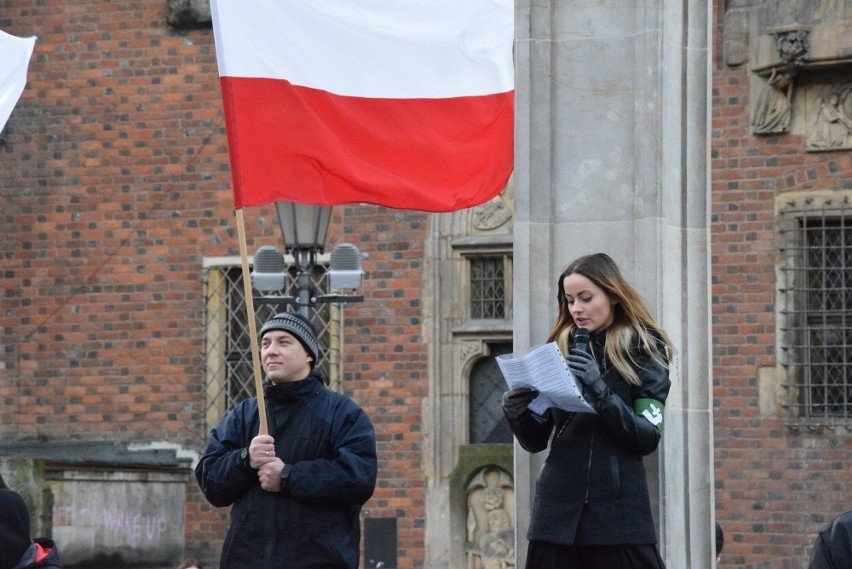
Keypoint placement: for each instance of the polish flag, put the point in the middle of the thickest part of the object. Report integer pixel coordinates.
(407, 104)
(15, 54)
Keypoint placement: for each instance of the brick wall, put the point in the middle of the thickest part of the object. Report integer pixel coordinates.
(385, 363)
(775, 488)
(115, 186)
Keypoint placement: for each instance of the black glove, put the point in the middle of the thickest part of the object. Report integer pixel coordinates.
(584, 367)
(516, 401)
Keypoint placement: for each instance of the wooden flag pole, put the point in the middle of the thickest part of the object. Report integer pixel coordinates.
(255, 349)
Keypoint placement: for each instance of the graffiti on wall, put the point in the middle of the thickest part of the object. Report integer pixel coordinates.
(125, 525)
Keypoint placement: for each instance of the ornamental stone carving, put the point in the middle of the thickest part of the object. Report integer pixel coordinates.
(490, 525)
(469, 349)
(774, 106)
(189, 13)
(792, 45)
(831, 125)
(492, 214)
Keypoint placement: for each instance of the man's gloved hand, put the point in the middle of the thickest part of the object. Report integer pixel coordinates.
(584, 367)
(516, 401)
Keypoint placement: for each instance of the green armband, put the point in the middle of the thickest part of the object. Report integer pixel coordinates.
(652, 410)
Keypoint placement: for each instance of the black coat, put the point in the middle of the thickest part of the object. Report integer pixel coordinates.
(315, 520)
(833, 547)
(17, 549)
(593, 489)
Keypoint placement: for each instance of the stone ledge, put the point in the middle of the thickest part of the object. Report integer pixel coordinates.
(827, 45)
(96, 453)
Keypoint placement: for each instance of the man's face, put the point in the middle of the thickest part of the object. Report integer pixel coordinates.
(283, 357)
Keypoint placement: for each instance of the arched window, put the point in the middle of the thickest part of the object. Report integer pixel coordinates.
(487, 423)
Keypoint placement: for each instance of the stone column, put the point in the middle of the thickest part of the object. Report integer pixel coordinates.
(611, 155)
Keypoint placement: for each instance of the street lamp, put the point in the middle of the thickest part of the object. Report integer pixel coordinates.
(304, 229)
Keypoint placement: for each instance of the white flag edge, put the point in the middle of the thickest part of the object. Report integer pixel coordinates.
(15, 53)
(370, 48)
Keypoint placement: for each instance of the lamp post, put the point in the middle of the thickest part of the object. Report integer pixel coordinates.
(304, 228)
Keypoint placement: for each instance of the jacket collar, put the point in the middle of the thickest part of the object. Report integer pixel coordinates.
(294, 390)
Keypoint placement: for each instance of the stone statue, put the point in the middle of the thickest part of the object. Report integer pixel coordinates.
(497, 545)
(490, 520)
(832, 126)
(774, 104)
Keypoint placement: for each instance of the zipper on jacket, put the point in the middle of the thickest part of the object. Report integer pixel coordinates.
(594, 424)
(589, 466)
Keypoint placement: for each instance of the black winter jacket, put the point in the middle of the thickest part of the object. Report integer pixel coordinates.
(17, 549)
(833, 547)
(330, 445)
(593, 489)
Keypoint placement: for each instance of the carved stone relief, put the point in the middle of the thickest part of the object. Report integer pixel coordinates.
(490, 524)
(800, 56)
(469, 349)
(189, 13)
(829, 117)
(496, 212)
(774, 107)
(793, 45)
(492, 214)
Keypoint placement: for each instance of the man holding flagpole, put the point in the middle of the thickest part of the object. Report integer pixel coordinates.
(296, 492)
(405, 104)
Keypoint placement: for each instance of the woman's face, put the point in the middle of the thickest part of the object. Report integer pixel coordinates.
(589, 305)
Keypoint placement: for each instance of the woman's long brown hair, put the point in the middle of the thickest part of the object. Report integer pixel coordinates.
(630, 315)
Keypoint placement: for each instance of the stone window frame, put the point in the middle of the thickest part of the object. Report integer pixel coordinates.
(471, 249)
(484, 271)
(455, 344)
(799, 359)
(494, 349)
(475, 337)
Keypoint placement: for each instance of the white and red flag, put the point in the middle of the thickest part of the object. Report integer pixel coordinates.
(15, 56)
(403, 103)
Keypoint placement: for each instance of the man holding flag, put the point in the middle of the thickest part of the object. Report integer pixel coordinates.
(296, 492)
(402, 103)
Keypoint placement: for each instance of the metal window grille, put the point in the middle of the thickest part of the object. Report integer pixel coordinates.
(487, 287)
(228, 360)
(488, 425)
(816, 315)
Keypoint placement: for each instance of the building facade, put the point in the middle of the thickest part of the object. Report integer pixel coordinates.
(123, 339)
(123, 327)
(782, 174)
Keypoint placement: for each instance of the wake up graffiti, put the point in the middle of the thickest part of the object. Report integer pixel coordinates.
(131, 527)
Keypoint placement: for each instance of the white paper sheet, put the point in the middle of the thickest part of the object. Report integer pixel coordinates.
(544, 368)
